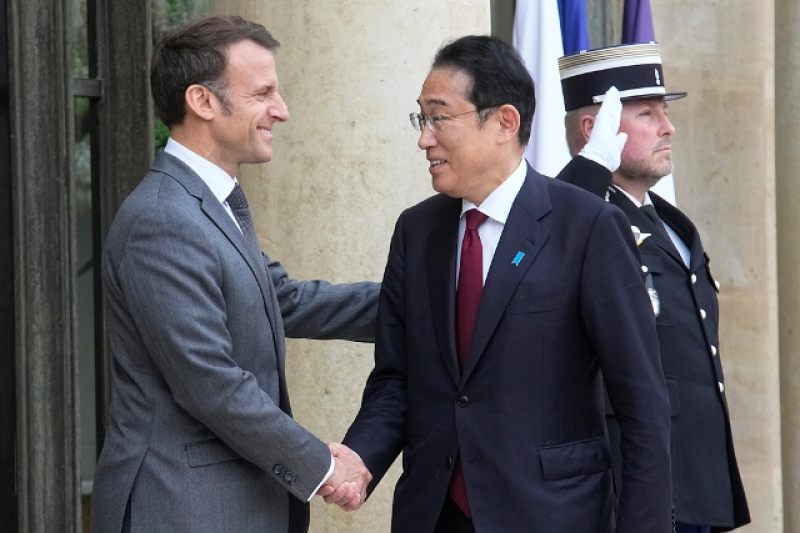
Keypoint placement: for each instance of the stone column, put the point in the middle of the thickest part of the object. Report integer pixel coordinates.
(41, 116)
(723, 53)
(344, 167)
(787, 128)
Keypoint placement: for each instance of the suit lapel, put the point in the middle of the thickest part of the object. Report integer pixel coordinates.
(645, 225)
(683, 227)
(441, 265)
(523, 238)
(214, 210)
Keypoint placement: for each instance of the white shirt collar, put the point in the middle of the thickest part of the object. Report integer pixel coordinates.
(219, 181)
(637, 203)
(498, 204)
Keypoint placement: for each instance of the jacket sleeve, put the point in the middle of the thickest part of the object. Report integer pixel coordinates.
(172, 283)
(587, 175)
(378, 432)
(318, 309)
(620, 321)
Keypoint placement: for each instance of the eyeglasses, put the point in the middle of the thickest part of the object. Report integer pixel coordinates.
(434, 122)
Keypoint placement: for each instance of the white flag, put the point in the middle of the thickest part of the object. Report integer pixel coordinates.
(537, 38)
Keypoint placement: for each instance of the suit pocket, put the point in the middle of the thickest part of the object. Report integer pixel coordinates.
(209, 452)
(653, 261)
(537, 303)
(575, 459)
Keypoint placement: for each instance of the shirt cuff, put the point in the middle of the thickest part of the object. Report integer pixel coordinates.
(330, 472)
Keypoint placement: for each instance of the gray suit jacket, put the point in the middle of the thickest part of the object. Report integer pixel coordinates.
(200, 436)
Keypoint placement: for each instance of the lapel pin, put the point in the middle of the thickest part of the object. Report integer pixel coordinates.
(518, 258)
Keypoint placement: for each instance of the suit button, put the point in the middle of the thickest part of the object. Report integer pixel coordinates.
(290, 477)
(279, 469)
(713, 350)
(463, 401)
(694, 279)
(721, 387)
(449, 462)
(703, 314)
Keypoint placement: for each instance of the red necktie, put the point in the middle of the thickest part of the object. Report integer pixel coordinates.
(468, 298)
(470, 282)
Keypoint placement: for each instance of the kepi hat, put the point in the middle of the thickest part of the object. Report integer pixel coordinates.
(635, 69)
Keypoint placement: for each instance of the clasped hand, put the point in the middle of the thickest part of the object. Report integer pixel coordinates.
(347, 485)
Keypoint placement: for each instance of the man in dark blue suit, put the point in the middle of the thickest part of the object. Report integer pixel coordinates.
(708, 490)
(504, 298)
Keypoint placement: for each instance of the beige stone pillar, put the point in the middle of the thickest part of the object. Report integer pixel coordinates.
(723, 53)
(787, 79)
(344, 167)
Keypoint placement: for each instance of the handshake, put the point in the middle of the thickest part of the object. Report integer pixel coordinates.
(347, 485)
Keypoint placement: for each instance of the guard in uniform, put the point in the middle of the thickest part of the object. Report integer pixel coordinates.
(708, 493)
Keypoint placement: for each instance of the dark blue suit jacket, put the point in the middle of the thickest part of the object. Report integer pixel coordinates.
(527, 412)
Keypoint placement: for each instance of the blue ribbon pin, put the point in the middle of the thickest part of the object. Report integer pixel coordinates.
(518, 258)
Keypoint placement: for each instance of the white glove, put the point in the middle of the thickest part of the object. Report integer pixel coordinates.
(605, 142)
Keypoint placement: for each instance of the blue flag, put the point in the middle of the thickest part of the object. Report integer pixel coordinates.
(574, 30)
(637, 22)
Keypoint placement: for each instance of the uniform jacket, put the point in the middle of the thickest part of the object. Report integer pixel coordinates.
(707, 486)
(200, 437)
(527, 412)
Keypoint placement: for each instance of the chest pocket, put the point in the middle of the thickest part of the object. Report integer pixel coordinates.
(547, 300)
(653, 261)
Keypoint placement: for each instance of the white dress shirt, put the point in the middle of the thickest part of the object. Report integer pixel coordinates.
(497, 206)
(219, 181)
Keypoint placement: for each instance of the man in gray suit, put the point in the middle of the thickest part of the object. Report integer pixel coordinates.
(200, 436)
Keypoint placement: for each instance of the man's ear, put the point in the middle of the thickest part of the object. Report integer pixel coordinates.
(200, 101)
(508, 118)
(586, 126)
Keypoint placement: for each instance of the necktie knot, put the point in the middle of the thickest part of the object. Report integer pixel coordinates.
(474, 219)
(650, 211)
(236, 199)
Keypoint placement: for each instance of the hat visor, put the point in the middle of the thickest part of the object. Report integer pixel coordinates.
(666, 96)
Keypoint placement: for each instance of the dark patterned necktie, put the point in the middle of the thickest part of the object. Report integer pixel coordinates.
(241, 212)
(650, 211)
(468, 299)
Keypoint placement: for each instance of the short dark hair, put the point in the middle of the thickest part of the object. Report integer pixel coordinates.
(498, 76)
(197, 54)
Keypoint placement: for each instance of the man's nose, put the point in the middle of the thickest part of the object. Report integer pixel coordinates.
(280, 111)
(426, 138)
(667, 126)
